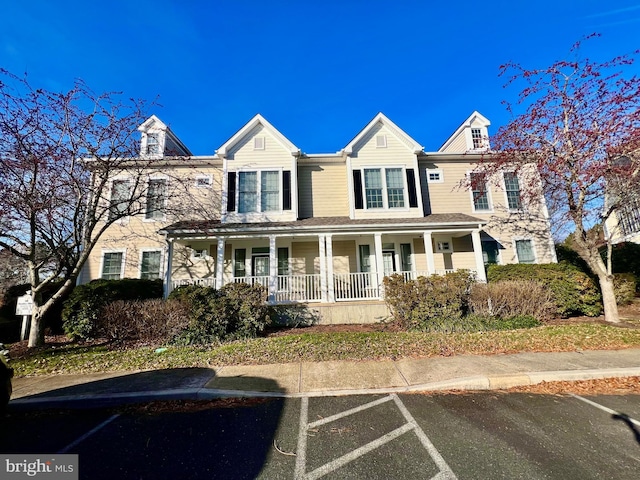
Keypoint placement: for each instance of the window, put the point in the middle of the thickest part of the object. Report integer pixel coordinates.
(479, 193)
(120, 199)
(150, 265)
(239, 268)
(267, 190)
(395, 188)
(435, 176)
(199, 252)
(283, 261)
(374, 188)
(524, 250)
(381, 141)
(490, 252)
(476, 137)
(260, 262)
(156, 196)
(365, 258)
(153, 144)
(112, 266)
(444, 246)
(405, 257)
(204, 181)
(512, 187)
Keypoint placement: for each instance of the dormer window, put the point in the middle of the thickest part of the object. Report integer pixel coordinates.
(153, 144)
(476, 137)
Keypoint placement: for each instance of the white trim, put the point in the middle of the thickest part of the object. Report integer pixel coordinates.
(165, 178)
(503, 185)
(114, 250)
(439, 171)
(440, 241)
(381, 141)
(381, 118)
(119, 178)
(533, 247)
(467, 124)
(161, 272)
(489, 195)
(259, 143)
(202, 176)
(385, 194)
(200, 255)
(242, 216)
(248, 127)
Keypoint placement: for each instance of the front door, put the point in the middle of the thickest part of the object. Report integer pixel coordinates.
(260, 266)
(389, 262)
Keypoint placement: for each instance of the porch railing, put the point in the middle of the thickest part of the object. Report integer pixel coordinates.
(299, 288)
(254, 280)
(203, 282)
(356, 286)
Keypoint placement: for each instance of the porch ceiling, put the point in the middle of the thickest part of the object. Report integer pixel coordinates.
(325, 225)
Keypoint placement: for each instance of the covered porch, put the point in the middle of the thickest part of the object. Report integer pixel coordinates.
(338, 260)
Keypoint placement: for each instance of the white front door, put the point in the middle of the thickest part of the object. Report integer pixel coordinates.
(389, 263)
(260, 266)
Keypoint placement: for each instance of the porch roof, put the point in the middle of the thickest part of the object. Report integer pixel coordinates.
(325, 225)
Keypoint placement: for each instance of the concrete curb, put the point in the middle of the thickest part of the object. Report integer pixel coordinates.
(480, 382)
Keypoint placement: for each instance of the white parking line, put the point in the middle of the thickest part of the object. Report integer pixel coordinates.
(603, 408)
(89, 433)
(301, 454)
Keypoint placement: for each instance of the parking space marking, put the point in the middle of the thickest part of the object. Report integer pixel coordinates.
(88, 434)
(445, 472)
(604, 409)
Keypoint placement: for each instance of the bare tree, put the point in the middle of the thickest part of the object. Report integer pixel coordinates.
(60, 153)
(581, 130)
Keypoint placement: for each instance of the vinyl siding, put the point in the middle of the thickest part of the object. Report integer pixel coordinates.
(323, 191)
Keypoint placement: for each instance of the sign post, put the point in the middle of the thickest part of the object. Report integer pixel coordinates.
(24, 307)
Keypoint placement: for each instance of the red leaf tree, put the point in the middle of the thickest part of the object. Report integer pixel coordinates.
(579, 125)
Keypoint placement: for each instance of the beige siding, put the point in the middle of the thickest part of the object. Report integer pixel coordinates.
(458, 145)
(305, 258)
(418, 254)
(323, 191)
(274, 154)
(344, 256)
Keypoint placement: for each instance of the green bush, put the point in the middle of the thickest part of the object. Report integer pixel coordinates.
(237, 310)
(512, 299)
(419, 304)
(82, 308)
(624, 285)
(574, 292)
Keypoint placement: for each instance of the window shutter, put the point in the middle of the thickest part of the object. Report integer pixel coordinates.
(231, 191)
(286, 190)
(357, 189)
(411, 183)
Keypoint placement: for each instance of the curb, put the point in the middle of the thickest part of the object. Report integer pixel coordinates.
(480, 382)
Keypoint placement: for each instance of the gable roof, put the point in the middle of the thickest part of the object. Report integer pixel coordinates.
(381, 118)
(155, 122)
(484, 121)
(250, 125)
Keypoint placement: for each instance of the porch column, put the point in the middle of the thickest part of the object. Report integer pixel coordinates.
(167, 272)
(273, 269)
(377, 241)
(220, 263)
(330, 283)
(323, 269)
(477, 251)
(428, 251)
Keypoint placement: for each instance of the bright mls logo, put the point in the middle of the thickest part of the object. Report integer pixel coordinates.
(52, 467)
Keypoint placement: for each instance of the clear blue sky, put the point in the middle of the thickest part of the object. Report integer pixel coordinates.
(319, 71)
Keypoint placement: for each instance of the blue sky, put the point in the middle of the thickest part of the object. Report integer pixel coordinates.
(318, 71)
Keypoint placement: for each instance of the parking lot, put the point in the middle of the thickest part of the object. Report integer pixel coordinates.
(443, 436)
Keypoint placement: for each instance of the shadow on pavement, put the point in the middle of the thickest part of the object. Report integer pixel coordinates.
(627, 420)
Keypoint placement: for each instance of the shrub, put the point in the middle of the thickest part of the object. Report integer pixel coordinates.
(574, 292)
(237, 310)
(511, 299)
(624, 285)
(82, 309)
(419, 303)
(479, 323)
(145, 320)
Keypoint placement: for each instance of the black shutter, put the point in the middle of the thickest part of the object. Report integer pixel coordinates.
(357, 189)
(286, 190)
(411, 183)
(231, 191)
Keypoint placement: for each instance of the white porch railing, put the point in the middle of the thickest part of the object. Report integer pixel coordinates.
(356, 286)
(254, 280)
(413, 275)
(299, 288)
(203, 282)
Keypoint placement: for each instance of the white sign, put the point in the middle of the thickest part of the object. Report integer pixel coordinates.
(24, 306)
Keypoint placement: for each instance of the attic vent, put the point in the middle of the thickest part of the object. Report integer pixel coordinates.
(258, 143)
(381, 141)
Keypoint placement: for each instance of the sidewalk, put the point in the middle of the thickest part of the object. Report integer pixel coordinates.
(463, 372)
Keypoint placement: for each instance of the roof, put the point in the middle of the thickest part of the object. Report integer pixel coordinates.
(484, 121)
(246, 129)
(324, 224)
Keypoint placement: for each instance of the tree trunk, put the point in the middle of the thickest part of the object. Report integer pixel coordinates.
(609, 299)
(36, 333)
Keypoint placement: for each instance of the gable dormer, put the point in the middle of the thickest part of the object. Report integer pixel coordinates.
(382, 171)
(159, 141)
(260, 175)
(470, 137)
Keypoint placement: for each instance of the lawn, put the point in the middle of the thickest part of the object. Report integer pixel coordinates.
(299, 345)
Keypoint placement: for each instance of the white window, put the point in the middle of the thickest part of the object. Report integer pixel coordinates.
(267, 190)
(524, 251)
(112, 265)
(120, 200)
(512, 190)
(199, 252)
(381, 141)
(479, 193)
(258, 143)
(150, 264)
(384, 191)
(435, 175)
(204, 181)
(476, 138)
(444, 246)
(153, 144)
(156, 198)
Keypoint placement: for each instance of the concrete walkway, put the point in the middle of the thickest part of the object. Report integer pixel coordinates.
(463, 372)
